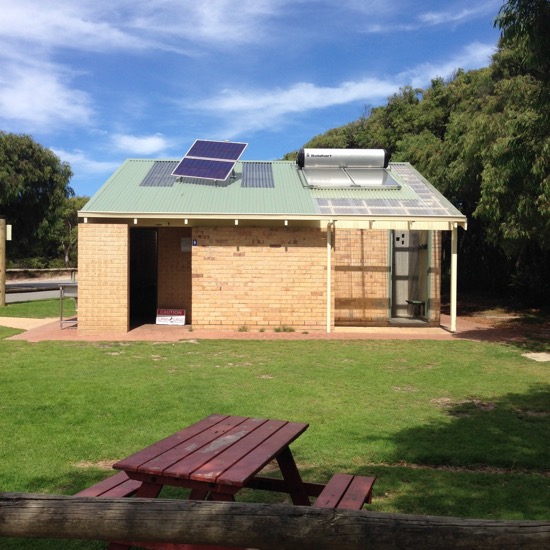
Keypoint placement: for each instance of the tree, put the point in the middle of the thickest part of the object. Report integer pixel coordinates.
(65, 231)
(525, 26)
(34, 185)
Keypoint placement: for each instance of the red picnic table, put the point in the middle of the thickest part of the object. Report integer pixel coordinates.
(217, 457)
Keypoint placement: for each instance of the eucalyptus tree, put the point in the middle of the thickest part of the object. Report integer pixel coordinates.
(34, 184)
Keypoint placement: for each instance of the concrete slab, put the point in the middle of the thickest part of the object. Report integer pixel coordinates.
(24, 323)
(541, 357)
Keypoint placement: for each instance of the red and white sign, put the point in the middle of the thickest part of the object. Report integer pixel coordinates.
(170, 316)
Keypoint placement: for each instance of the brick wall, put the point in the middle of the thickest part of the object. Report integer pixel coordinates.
(174, 269)
(103, 278)
(259, 277)
(362, 271)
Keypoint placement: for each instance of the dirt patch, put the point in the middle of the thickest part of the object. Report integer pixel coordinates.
(472, 469)
(100, 465)
(503, 319)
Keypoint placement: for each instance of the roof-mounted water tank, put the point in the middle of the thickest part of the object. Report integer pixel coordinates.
(343, 158)
(345, 168)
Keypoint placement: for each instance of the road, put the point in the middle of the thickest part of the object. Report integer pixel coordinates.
(26, 291)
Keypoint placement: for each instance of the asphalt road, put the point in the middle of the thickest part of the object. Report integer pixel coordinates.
(30, 290)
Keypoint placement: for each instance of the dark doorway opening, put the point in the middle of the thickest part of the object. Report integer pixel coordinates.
(143, 275)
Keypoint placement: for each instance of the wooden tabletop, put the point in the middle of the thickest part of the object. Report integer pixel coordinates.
(224, 452)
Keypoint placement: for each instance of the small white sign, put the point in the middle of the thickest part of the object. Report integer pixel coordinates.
(186, 244)
(170, 316)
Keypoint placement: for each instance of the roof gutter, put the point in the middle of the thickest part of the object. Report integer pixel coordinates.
(347, 222)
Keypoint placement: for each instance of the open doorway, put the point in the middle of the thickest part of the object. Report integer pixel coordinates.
(143, 275)
(410, 265)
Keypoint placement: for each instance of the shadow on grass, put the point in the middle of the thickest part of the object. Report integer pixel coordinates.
(511, 432)
(485, 459)
(534, 338)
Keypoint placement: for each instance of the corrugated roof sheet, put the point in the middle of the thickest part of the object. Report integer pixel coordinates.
(274, 188)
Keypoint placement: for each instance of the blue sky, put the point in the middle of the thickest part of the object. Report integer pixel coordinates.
(101, 81)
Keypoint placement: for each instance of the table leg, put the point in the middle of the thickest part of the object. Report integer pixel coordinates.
(198, 494)
(292, 477)
(149, 490)
(222, 497)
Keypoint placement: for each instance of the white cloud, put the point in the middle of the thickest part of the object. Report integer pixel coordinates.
(82, 164)
(458, 16)
(100, 25)
(220, 23)
(38, 96)
(473, 56)
(257, 109)
(455, 14)
(78, 25)
(140, 145)
(252, 110)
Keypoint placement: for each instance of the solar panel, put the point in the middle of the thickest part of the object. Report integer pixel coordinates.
(213, 160)
(222, 150)
(372, 178)
(204, 168)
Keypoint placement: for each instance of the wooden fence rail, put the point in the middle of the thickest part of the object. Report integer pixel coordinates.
(262, 526)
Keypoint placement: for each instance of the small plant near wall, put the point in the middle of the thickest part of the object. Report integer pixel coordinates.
(243, 328)
(284, 328)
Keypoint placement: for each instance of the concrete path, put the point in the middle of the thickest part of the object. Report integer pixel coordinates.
(37, 330)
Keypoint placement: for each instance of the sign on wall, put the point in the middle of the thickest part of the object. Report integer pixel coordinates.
(170, 316)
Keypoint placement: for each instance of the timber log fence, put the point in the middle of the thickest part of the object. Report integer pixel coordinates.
(261, 526)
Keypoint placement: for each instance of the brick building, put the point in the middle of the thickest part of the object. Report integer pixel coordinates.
(302, 245)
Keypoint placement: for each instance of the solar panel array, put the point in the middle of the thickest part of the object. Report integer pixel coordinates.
(213, 160)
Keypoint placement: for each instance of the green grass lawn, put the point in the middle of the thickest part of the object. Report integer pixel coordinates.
(39, 309)
(449, 428)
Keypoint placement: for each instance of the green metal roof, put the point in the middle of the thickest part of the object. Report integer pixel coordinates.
(124, 193)
(262, 189)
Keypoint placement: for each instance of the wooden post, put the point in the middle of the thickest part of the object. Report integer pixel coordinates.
(330, 227)
(2, 260)
(454, 275)
(262, 526)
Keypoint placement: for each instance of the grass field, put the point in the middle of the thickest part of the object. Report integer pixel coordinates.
(455, 428)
